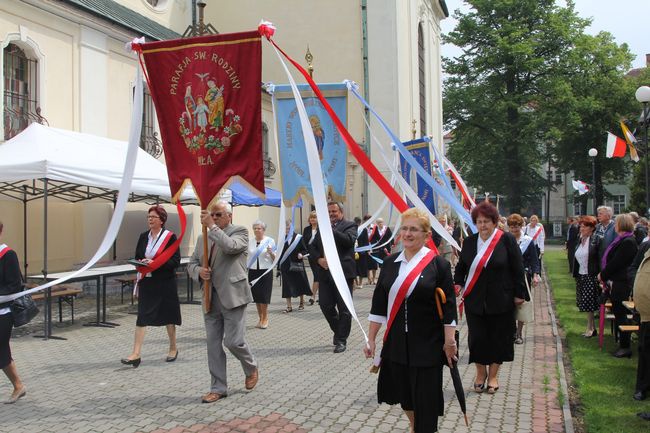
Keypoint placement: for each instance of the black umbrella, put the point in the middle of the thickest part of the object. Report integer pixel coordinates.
(460, 391)
(455, 374)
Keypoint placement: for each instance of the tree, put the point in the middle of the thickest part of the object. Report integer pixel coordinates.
(512, 52)
(637, 183)
(591, 100)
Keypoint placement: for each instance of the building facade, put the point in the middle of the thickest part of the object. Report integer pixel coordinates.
(64, 64)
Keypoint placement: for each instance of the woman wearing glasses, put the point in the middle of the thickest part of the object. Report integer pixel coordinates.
(156, 291)
(490, 275)
(418, 340)
(532, 266)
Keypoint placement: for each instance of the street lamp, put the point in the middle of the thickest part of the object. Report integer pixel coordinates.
(592, 154)
(643, 96)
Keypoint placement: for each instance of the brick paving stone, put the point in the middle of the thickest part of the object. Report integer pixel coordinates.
(79, 385)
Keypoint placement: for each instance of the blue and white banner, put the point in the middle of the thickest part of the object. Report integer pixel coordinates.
(419, 149)
(331, 148)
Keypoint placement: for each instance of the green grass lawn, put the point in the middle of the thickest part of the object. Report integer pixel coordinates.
(605, 384)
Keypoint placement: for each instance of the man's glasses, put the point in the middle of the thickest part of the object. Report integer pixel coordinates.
(150, 217)
(216, 214)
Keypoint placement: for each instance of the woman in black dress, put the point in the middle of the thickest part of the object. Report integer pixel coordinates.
(417, 344)
(615, 266)
(308, 235)
(261, 253)
(158, 303)
(361, 257)
(380, 237)
(11, 281)
(490, 294)
(294, 278)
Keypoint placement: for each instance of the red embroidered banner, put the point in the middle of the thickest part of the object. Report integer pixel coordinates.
(207, 95)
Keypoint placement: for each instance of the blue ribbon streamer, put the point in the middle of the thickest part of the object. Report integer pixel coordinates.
(449, 198)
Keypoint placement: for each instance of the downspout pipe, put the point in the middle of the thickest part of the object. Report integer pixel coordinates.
(366, 95)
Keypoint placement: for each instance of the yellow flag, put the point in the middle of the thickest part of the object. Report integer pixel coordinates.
(629, 137)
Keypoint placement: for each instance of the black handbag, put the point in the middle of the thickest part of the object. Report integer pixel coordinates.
(23, 310)
(296, 266)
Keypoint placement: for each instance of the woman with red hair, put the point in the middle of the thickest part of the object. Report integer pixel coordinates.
(490, 276)
(158, 303)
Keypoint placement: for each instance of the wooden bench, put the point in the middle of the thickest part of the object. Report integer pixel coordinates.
(127, 281)
(62, 293)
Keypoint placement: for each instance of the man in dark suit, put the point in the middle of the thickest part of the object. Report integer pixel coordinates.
(572, 236)
(331, 303)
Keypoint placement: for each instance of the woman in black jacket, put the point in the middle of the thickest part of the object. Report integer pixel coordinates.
(615, 265)
(294, 278)
(158, 303)
(490, 294)
(419, 341)
(584, 268)
(11, 281)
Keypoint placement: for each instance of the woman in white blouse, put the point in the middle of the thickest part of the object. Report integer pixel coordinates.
(261, 254)
(585, 270)
(536, 231)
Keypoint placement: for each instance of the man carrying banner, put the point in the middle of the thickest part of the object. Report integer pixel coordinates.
(225, 321)
(331, 303)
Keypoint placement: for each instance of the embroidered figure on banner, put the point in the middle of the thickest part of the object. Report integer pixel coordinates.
(319, 134)
(206, 122)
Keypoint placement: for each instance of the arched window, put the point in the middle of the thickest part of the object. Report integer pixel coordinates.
(265, 140)
(20, 99)
(422, 82)
(149, 140)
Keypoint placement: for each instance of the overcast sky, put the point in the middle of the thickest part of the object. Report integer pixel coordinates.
(627, 20)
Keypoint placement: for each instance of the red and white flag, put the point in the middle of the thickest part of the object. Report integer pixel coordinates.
(580, 186)
(615, 146)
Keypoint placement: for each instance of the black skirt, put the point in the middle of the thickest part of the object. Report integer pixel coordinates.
(490, 338)
(587, 293)
(158, 303)
(315, 269)
(362, 265)
(262, 289)
(294, 284)
(6, 324)
(372, 263)
(415, 388)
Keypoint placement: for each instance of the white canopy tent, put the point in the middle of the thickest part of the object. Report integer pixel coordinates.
(88, 165)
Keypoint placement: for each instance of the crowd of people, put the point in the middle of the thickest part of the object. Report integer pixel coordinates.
(416, 275)
(608, 257)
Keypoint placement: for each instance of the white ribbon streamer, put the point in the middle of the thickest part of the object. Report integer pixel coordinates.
(122, 197)
(320, 201)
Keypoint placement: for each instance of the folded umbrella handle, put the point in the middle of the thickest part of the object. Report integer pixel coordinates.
(441, 298)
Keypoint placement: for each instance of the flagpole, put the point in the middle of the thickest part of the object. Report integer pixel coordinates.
(207, 284)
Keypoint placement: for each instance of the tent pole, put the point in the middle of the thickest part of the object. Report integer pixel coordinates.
(25, 229)
(115, 241)
(47, 311)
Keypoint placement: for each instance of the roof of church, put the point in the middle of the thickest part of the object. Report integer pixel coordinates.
(115, 12)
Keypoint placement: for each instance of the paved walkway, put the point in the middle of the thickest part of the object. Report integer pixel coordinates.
(79, 385)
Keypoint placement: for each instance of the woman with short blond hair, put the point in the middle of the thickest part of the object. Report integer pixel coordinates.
(417, 344)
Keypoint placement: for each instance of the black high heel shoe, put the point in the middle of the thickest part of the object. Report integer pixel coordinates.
(172, 358)
(134, 362)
